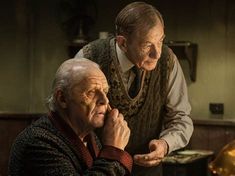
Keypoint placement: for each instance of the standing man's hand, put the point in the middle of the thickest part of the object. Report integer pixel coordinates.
(116, 132)
(158, 149)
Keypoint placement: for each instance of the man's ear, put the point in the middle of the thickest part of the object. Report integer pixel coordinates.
(122, 42)
(61, 99)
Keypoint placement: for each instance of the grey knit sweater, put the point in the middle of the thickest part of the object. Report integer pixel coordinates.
(41, 149)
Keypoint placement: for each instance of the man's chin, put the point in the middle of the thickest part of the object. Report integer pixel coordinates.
(149, 66)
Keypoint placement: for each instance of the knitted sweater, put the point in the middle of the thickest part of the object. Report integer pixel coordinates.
(43, 149)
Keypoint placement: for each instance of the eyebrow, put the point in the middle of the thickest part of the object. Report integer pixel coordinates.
(149, 42)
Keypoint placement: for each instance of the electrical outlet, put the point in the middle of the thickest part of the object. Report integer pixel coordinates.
(216, 108)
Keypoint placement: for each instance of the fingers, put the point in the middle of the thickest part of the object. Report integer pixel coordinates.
(114, 116)
(109, 108)
(148, 163)
(147, 160)
(116, 131)
(149, 156)
(113, 113)
(157, 149)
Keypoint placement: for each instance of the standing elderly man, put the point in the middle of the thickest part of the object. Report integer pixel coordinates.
(146, 85)
(63, 142)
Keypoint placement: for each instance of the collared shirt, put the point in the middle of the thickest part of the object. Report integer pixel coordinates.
(128, 75)
(178, 125)
(126, 65)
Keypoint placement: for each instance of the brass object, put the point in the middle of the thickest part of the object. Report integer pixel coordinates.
(224, 163)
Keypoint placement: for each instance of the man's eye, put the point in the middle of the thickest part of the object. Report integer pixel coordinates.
(147, 47)
(162, 40)
(91, 92)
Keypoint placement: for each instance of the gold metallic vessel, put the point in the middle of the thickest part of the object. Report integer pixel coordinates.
(224, 163)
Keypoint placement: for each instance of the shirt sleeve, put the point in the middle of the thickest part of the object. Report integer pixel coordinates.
(177, 124)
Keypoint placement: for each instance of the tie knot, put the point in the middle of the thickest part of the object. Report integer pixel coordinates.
(136, 70)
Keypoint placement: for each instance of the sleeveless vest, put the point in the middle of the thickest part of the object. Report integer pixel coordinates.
(143, 113)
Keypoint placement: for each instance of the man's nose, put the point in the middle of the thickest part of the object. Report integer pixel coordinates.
(103, 99)
(155, 52)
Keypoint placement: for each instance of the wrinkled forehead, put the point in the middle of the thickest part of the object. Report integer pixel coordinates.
(94, 81)
(90, 77)
(157, 31)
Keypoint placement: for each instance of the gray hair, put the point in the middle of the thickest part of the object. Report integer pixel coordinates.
(137, 16)
(64, 77)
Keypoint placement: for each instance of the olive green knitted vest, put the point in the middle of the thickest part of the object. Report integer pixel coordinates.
(144, 113)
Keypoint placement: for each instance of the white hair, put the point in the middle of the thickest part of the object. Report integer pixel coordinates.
(63, 77)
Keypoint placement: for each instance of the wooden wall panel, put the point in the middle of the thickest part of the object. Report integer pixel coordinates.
(212, 134)
(10, 126)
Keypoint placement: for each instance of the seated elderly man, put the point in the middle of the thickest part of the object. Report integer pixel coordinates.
(63, 142)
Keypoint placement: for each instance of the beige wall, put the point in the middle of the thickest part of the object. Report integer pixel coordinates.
(14, 62)
(210, 24)
(33, 45)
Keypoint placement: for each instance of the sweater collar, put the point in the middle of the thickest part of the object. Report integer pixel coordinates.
(86, 153)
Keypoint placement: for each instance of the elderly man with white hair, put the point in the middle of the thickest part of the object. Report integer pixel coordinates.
(63, 142)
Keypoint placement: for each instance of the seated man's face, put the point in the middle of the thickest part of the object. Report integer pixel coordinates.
(89, 102)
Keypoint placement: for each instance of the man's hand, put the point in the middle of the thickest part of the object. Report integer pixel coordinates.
(116, 132)
(158, 149)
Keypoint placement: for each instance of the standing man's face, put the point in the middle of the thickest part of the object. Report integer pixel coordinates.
(144, 51)
(88, 101)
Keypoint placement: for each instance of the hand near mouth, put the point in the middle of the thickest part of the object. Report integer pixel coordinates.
(116, 132)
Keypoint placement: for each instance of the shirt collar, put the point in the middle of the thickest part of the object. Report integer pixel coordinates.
(125, 63)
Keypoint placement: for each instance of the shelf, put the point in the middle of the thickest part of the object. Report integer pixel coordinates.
(186, 50)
